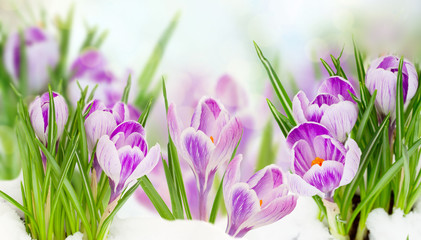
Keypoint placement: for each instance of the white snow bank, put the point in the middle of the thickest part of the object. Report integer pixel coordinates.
(159, 229)
(301, 224)
(76, 236)
(11, 226)
(394, 227)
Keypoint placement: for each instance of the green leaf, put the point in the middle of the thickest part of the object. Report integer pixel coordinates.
(382, 183)
(151, 66)
(339, 71)
(399, 113)
(366, 116)
(145, 114)
(126, 91)
(52, 125)
(150, 191)
(174, 162)
(368, 151)
(177, 207)
(72, 196)
(359, 63)
(156, 200)
(328, 68)
(277, 85)
(283, 122)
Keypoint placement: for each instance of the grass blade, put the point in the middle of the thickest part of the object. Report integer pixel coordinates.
(126, 91)
(277, 85)
(149, 69)
(368, 151)
(328, 68)
(283, 122)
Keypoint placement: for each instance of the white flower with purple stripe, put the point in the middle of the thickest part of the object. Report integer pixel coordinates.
(382, 75)
(333, 107)
(206, 144)
(319, 162)
(124, 156)
(260, 201)
(39, 115)
(101, 121)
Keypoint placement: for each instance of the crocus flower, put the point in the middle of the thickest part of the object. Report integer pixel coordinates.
(262, 200)
(319, 162)
(333, 107)
(89, 69)
(42, 55)
(206, 144)
(382, 75)
(124, 156)
(39, 115)
(101, 121)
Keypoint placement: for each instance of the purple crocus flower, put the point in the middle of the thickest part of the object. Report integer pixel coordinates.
(382, 75)
(333, 107)
(124, 156)
(260, 201)
(232, 94)
(42, 55)
(206, 144)
(39, 115)
(89, 69)
(319, 162)
(101, 121)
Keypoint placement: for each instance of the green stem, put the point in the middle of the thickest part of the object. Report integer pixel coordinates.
(336, 227)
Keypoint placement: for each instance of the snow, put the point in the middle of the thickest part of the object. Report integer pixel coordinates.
(396, 226)
(11, 226)
(156, 229)
(76, 236)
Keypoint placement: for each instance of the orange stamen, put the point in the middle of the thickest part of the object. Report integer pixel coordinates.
(317, 160)
(261, 202)
(212, 139)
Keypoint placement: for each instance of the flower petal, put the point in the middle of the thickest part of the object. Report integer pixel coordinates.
(340, 118)
(98, 124)
(299, 107)
(120, 112)
(228, 139)
(297, 185)
(232, 175)
(306, 131)
(302, 154)
(266, 179)
(128, 128)
(328, 148)
(197, 148)
(37, 119)
(243, 203)
(108, 159)
(352, 162)
(338, 87)
(205, 115)
(326, 178)
(385, 83)
(276, 210)
(146, 164)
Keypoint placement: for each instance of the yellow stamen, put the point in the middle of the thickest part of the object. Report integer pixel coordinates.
(212, 139)
(261, 202)
(317, 160)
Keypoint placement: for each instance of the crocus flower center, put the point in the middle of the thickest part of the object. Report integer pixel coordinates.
(261, 202)
(212, 140)
(317, 160)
